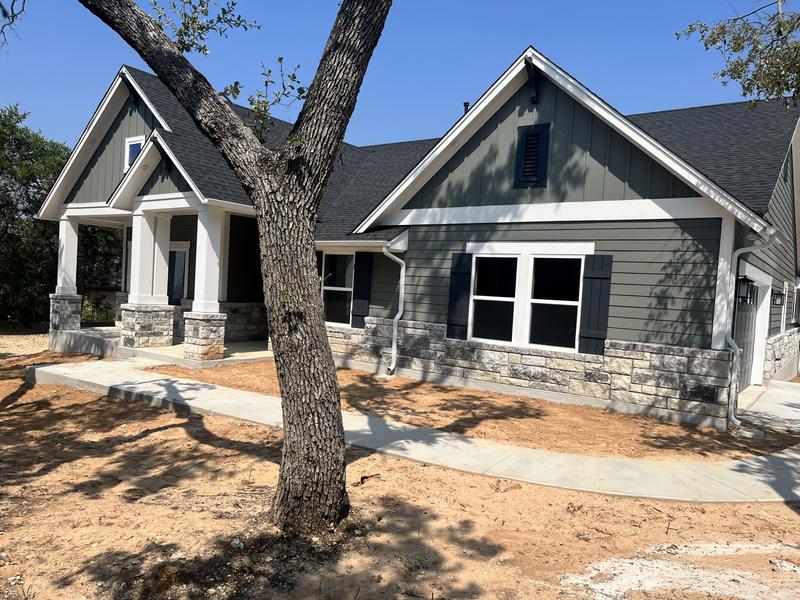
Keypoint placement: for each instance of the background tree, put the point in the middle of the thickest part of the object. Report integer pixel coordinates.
(761, 50)
(29, 164)
(285, 185)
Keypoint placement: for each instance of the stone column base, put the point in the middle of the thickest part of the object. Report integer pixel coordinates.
(65, 312)
(146, 325)
(120, 298)
(204, 336)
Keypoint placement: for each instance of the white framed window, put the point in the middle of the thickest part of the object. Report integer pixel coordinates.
(178, 272)
(336, 274)
(527, 294)
(133, 146)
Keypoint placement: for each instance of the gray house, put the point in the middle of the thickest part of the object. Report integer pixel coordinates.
(546, 242)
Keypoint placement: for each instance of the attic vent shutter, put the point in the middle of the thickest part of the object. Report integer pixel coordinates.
(362, 283)
(594, 306)
(458, 301)
(533, 142)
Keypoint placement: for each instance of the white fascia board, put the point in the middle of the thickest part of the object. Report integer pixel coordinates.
(136, 176)
(247, 210)
(101, 120)
(601, 210)
(400, 243)
(503, 89)
(165, 148)
(349, 246)
(132, 82)
(182, 202)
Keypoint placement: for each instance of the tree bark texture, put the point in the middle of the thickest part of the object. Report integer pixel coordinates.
(286, 186)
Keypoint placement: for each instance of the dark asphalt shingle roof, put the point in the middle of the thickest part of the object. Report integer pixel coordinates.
(738, 147)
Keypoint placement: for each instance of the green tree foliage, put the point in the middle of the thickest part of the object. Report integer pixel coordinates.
(29, 164)
(761, 50)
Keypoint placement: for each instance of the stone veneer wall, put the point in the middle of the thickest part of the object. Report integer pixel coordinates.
(65, 312)
(146, 325)
(205, 336)
(687, 380)
(246, 321)
(782, 349)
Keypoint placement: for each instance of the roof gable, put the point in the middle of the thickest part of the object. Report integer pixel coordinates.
(587, 161)
(510, 81)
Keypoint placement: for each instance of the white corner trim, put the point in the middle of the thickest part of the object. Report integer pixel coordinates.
(502, 89)
(534, 248)
(238, 208)
(724, 295)
(600, 210)
(129, 141)
(129, 78)
(103, 116)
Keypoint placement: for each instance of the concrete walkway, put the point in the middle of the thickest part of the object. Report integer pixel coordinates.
(768, 479)
(775, 405)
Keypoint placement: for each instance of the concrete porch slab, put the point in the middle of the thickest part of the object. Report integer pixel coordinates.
(775, 405)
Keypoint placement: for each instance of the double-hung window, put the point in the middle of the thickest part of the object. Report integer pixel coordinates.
(336, 271)
(527, 293)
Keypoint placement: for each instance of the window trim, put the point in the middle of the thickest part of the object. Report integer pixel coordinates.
(332, 288)
(129, 141)
(183, 247)
(526, 255)
(473, 297)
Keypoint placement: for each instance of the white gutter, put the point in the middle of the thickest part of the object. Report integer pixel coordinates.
(400, 304)
(733, 394)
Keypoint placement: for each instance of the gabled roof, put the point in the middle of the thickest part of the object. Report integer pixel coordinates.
(739, 146)
(507, 84)
(347, 197)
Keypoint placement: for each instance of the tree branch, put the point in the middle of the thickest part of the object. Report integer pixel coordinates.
(213, 116)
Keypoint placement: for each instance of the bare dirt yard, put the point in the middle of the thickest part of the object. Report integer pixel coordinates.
(519, 420)
(112, 500)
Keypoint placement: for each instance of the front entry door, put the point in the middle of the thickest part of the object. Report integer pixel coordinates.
(744, 334)
(177, 275)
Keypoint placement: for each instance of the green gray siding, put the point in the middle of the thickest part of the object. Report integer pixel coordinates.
(383, 296)
(587, 160)
(166, 179)
(778, 260)
(662, 287)
(103, 172)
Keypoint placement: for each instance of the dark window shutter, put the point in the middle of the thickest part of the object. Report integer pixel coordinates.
(594, 306)
(362, 283)
(458, 301)
(533, 142)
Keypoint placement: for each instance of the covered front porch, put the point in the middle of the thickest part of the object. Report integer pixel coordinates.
(178, 292)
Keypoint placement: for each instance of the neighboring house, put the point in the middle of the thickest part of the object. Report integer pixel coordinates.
(545, 242)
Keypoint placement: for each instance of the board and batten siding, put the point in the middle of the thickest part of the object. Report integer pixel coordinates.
(165, 179)
(778, 260)
(663, 280)
(587, 160)
(104, 171)
(384, 291)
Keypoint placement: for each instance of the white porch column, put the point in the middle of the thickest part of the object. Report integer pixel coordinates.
(208, 256)
(67, 256)
(161, 260)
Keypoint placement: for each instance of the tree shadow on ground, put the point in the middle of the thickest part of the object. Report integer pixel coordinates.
(392, 549)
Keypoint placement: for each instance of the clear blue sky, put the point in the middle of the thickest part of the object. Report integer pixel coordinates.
(433, 55)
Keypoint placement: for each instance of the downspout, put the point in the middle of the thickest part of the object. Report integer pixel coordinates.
(733, 396)
(400, 302)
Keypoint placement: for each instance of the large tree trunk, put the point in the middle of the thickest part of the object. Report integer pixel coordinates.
(286, 186)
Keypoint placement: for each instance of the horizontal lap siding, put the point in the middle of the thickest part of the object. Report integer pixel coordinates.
(384, 291)
(662, 285)
(103, 173)
(778, 260)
